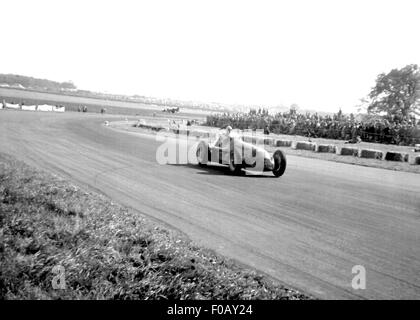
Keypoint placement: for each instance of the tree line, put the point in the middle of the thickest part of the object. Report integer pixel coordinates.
(392, 118)
(35, 83)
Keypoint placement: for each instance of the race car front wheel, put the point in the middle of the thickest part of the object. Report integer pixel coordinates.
(279, 163)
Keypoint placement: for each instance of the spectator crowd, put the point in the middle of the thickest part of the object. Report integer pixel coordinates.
(337, 126)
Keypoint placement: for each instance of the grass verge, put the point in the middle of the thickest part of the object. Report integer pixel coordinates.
(105, 251)
(373, 163)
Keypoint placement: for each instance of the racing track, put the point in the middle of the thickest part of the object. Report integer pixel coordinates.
(306, 229)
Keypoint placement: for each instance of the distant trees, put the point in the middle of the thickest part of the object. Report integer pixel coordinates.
(397, 93)
(68, 85)
(35, 83)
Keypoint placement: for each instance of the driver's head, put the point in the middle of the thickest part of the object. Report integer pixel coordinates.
(228, 129)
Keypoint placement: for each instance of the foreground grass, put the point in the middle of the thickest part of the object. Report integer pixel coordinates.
(106, 250)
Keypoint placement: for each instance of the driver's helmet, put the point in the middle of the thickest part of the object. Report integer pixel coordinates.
(228, 130)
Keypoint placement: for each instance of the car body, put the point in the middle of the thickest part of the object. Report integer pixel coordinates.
(232, 151)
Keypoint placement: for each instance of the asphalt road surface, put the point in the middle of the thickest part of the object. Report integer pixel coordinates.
(306, 229)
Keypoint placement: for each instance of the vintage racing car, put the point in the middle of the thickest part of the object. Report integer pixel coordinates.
(231, 150)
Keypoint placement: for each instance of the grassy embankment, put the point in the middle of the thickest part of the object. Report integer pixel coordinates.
(107, 251)
(382, 164)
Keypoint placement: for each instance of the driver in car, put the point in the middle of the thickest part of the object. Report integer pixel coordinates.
(224, 139)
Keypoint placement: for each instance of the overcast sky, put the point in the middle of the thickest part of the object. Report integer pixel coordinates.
(319, 54)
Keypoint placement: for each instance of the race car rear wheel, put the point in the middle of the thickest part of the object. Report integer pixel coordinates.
(280, 163)
(202, 153)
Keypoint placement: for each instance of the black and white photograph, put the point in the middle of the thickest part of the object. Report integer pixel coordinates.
(206, 155)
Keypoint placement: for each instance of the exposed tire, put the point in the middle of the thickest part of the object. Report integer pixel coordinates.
(280, 163)
(202, 154)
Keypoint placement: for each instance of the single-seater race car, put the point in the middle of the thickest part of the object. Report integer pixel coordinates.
(231, 150)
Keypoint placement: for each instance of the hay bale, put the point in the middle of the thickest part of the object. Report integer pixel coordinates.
(148, 126)
(183, 132)
(348, 151)
(269, 141)
(12, 106)
(201, 134)
(45, 107)
(416, 160)
(329, 148)
(195, 133)
(396, 156)
(304, 145)
(28, 108)
(283, 143)
(371, 154)
(61, 109)
(259, 140)
(247, 139)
